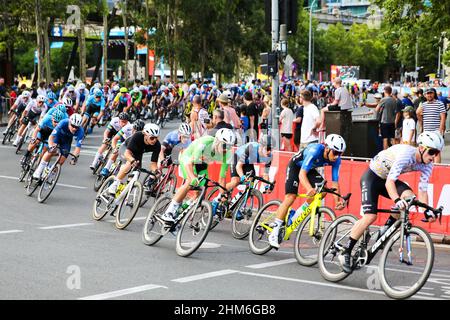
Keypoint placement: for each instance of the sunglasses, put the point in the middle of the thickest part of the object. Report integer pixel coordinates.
(336, 153)
(152, 138)
(75, 127)
(433, 152)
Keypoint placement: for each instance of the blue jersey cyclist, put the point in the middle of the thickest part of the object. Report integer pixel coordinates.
(61, 138)
(93, 108)
(175, 141)
(51, 100)
(302, 168)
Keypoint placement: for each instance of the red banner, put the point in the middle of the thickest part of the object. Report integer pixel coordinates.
(349, 177)
(151, 62)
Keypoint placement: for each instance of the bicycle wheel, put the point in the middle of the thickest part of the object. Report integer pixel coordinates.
(99, 180)
(333, 241)
(403, 276)
(6, 136)
(261, 228)
(244, 213)
(306, 247)
(24, 170)
(129, 206)
(153, 226)
(168, 188)
(103, 201)
(194, 229)
(49, 183)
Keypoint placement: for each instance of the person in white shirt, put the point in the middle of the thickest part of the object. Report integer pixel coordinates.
(310, 121)
(409, 126)
(42, 90)
(286, 119)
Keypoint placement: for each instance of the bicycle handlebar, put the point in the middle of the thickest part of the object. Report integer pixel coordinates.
(412, 201)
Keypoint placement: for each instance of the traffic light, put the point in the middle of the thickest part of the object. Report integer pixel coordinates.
(287, 12)
(269, 63)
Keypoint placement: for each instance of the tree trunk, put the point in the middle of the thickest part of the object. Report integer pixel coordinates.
(169, 57)
(147, 42)
(105, 42)
(125, 26)
(203, 61)
(40, 66)
(82, 47)
(48, 72)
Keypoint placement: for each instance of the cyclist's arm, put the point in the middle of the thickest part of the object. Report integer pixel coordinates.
(239, 168)
(128, 155)
(116, 139)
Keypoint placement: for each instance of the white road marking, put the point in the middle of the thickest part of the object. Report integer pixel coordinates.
(271, 264)
(65, 226)
(10, 231)
(58, 184)
(323, 284)
(205, 275)
(123, 292)
(135, 219)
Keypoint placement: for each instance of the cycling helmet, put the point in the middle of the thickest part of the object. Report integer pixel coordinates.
(115, 88)
(215, 88)
(226, 136)
(134, 91)
(335, 142)
(40, 98)
(58, 116)
(26, 94)
(192, 87)
(170, 86)
(76, 119)
(51, 95)
(97, 85)
(67, 102)
(138, 125)
(71, 88)
(163, 88)
(431, 139)
(61, 108)
(98, 93)
(142, 87)
(123, 90)
(184, 129)
(81, 86)
(151, 129)
(124, 116)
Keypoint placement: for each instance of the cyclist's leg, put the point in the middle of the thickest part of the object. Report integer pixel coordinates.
(43, 163)
(124, 170)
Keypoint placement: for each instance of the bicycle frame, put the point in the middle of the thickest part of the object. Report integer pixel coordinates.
(120, 194)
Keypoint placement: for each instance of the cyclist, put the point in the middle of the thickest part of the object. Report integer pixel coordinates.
(134, 148)
(32, 112)
(179, 139)
(70, 93)
(194, 161)
(381, 179)
(51, 100)
(302, 168)
(18, 107)
(122, 100)
(125, 133)
(111, 130)
(136, 99)
(82, 93)
(61, 138)
(111, 96)
(68, 104)
(43, 131)
(93, 108)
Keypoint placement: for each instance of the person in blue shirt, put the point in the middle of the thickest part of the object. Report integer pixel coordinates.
(94, 108)
(43, 131)
(175, 140)
(302, 168)
(51, 100)
(61, 138)
(406, 101)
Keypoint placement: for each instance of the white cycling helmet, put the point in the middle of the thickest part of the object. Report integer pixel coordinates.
(26, 94)
(184, 129)
(97, 85)
(431, 139)
(163, 87)
(151, 129)
(71, 88)
(40, 98)
(192, 87)
(226, 136)
(76, 120)
(142, 87)
(81, 86)
(67, 101)
(170, 86)
(116, 88)
(335, 142)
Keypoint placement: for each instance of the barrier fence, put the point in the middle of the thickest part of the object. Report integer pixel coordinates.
(349, 179)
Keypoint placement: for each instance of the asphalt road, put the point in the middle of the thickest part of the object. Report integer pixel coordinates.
(56, 250)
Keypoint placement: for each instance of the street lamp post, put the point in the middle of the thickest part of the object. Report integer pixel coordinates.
(310, 38)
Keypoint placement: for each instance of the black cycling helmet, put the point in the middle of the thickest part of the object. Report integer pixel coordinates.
(124, 116)
(138, 125)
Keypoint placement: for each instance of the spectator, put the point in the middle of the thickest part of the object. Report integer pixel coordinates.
(251, 111)
(407, 100)
(444, 100)
(3, 96)
(218, 122)
(266, 117)
(231, 116)
(286, 119)
(342, 101)
(42, 90)
(197, 118)
(387, 108)
(409, 126)
(310, 121)
(398, 117)
(298, 122)
(431, 115)
(419, 99)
